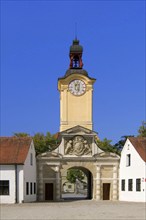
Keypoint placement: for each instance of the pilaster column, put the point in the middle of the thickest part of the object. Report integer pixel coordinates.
(62, 147)
(58, 183)
(93, 147)
(40, 182)
(115, 182)
(98, 183)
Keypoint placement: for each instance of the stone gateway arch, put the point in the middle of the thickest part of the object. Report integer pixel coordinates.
(77, 148)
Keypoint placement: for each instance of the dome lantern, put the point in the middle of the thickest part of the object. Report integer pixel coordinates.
(75, 55)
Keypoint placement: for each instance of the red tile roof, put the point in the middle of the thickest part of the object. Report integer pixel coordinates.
(139, 144)
(14, 150)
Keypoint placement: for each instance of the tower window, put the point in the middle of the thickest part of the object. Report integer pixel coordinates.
(75, 62)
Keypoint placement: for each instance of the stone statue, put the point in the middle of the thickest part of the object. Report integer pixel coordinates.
(86, 148)
(68, 149)
(78, 146)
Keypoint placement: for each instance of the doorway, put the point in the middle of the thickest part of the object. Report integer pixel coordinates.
(77, 184)
(49, 191)
(106, 191)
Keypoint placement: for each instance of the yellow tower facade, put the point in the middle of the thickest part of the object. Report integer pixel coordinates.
(76, 93)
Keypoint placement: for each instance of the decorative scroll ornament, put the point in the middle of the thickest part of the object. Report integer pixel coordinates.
(77, 146)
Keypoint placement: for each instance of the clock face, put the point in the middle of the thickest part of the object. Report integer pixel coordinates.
(77, 87)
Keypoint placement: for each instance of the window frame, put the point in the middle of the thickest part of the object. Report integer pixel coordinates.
(4, 187)
(130, 185)
(123, 185)
(31, 159)
(128, 160)
(27, 188)
(34, 188)
(138, 185)
(31, 188)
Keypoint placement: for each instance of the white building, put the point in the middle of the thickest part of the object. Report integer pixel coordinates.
(17, 170)
(133, 170)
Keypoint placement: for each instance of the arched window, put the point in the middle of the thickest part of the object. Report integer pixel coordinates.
(76, 62)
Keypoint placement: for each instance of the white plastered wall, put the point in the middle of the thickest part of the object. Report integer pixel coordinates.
(136, 170)
(7, 172)
(30, 175)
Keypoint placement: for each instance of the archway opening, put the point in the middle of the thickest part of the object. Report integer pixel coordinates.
(77, 184)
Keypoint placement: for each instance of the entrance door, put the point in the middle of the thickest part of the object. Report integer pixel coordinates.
(106, 191)
(49, 191)
(89, 186)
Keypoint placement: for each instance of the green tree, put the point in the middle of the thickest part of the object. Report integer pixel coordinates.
(21, 134)
(142, 130)
(51, 141)
(106, 146)
(44, 143)
(73, 174)
(39, 143)
(120, 144)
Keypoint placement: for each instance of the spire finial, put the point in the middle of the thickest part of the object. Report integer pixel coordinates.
(75, 30)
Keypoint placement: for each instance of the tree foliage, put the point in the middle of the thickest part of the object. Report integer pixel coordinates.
(142, 130)
(48, 142)
(21, 134)
(73, 174)
(42, 142)
(106, 146)
(120, 144)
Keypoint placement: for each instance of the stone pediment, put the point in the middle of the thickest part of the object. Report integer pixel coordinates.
(78, 130)
(107, 155)
(51, 155)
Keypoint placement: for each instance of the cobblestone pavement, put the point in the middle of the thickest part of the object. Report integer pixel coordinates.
(70, 210)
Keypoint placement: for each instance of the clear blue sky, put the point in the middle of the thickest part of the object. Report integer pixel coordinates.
(35, 40)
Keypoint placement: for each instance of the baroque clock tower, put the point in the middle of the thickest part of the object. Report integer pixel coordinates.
(77, 147)
(76, 90)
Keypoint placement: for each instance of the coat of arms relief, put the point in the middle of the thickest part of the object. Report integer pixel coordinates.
(77, 146)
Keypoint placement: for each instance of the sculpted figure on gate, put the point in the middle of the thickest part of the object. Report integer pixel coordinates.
(78, 146)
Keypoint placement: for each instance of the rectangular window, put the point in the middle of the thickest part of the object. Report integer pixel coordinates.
(27, 188)
(4, 187)
(34, 189)
(138, 184)
(130, 185)
(31, 188)
(123, 185)
(128, 160)
(31, 159)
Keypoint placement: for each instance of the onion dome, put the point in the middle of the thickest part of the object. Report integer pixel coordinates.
(75, 47)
